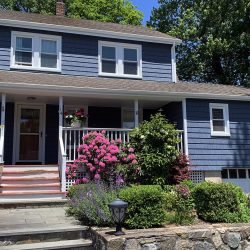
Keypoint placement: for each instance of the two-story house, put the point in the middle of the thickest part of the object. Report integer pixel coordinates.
(119, 74)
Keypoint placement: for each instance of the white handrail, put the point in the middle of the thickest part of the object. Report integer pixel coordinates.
(62, 162)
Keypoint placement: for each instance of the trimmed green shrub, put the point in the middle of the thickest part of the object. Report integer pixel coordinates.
(221, 202)
(179, 202)
(89, 203)
(145, 206)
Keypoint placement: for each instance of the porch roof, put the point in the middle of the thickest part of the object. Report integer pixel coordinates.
(61, 84)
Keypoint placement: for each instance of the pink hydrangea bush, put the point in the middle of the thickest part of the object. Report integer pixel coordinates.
(101, 159)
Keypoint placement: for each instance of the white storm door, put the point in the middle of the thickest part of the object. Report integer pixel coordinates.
(29, 133)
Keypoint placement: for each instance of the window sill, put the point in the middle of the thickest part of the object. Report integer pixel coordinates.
(36, 69)
(220, 134)
(120, 76)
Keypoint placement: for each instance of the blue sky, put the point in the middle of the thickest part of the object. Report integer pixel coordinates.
(145, 6)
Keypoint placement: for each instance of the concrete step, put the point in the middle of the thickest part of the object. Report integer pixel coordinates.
(43, 234)
(27, 167)
(23, 195)
(32, 203)
(63, 245)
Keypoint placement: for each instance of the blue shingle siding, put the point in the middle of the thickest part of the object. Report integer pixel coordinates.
(9, 129)
(51, 139)
(212, 152)
(80, 55)
(5, 41)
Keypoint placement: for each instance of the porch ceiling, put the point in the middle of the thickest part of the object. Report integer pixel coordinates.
(83, 101)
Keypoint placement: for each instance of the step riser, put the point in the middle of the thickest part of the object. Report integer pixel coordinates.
(31, 196)
(42, 237)
(31, 182)
(29, 175)
(23, 189)
(17, 170)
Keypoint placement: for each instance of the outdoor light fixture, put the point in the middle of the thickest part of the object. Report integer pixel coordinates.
(160, 110)
(118, 209)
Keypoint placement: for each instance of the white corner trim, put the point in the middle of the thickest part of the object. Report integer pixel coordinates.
(224, 107)
(119, 51)
(173, 63)
(185, 127)
(87, 31)
(36, 51)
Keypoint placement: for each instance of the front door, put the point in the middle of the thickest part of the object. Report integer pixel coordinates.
(29, 141)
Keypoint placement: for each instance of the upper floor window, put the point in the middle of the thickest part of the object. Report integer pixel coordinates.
(219, 119)
(35, 51)
(120, 60)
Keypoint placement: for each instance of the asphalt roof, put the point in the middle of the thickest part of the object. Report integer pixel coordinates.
(82, 23)
(126, 85)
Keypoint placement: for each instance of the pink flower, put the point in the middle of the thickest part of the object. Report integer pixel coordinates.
(97, 177)
(134, 162)
(85, 180)
(102, 164)
(131, 150)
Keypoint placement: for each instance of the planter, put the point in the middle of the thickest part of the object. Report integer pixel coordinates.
(76, 124)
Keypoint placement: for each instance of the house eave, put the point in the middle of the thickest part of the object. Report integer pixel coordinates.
(56, 90)
(86, 31)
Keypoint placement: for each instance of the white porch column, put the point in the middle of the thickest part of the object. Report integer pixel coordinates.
(136, 113)
(60, 116)
(184, 114)
(3, 107)
(61, 153)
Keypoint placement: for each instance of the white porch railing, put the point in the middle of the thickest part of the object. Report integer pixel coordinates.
(72, 138)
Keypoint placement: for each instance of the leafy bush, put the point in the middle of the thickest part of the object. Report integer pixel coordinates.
(179, 200)
(99, 158)
(89, 203)
(180, 170)
(221, 202)
(145, 206)
(155, 142)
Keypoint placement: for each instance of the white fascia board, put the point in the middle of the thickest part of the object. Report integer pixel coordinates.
(86, 31)
(78, 91)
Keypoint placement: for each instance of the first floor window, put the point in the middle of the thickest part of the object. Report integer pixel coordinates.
(23, 52)
(219, 119)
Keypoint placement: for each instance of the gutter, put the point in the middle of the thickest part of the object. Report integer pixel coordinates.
(87, 31)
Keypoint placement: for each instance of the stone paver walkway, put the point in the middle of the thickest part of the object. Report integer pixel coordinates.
(33, 218)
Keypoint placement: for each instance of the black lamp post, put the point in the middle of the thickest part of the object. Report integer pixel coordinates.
(118, 209)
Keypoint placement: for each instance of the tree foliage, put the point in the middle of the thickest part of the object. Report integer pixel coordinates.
(116, 11)
(215, 34)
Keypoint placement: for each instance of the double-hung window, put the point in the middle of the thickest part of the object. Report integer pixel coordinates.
(219, 119)
(120, 60)
(35, 51)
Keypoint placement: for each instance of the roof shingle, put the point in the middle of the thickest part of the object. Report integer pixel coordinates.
(127, 85)
(82, 23)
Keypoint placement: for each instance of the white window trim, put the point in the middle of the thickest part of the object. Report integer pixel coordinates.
(36, 51)
(120, 58)
(224, 107)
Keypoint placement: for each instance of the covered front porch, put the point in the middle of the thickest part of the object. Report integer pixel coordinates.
(34, 131)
